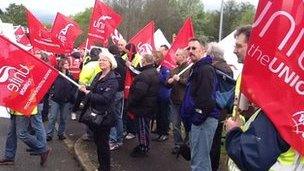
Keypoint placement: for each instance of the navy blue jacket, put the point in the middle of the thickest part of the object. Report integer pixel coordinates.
(102, 94)
(164, 90)
(203, 86)
(63, 91)
(257, 148)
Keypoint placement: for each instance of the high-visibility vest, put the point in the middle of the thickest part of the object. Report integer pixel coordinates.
(289, 161)
(34, 112)
(136, 61)
(88, 72)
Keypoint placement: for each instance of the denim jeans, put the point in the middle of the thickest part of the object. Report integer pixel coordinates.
(176, 123)
(37, 125)
(19, 128)
(63, 110)
(200, 142)
(116, 133)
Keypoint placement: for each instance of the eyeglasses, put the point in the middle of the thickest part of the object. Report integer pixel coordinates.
(191, 48)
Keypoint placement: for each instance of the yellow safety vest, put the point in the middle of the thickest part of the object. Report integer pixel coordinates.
(290, 160)
(136, 62)
(88, 72)
(34, 112)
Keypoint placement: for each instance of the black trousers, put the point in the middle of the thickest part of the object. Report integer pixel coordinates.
(46, 106)
(163, 118)
(129, 124)
(101, 139)
(215, 153)
(80, 96)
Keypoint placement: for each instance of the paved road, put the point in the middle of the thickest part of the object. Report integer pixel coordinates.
(159, 157)
(61, 159)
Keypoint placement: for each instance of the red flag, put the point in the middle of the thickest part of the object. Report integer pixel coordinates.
(21, 37)
(273, 76)
(40, 36)
(116, 36)
(181, 41)
(64, 32)
(144, 39)
(24, 79)
(103, 22)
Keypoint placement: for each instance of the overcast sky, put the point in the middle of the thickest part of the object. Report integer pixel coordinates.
(68, 7)
(216, 4)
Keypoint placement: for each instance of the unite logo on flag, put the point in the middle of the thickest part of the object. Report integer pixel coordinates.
(100, 23)
(273, 76)
(144, 48)
(24, 79)
(62, 36)
(116, 36)
(298, 119)
(16, 82)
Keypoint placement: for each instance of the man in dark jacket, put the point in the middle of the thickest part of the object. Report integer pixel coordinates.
(203, 115)
(178, 84)
(142, 102)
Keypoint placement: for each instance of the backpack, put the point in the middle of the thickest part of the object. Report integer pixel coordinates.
(224, 94)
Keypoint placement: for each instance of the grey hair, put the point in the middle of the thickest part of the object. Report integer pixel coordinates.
(148, 58)
(215, 51)
(183, 52)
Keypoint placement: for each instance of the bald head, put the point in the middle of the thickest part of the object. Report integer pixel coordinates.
(121, 44)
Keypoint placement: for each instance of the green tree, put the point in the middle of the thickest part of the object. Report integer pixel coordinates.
(235, 14)
(14, 14)
(169, 16)
(83, 19)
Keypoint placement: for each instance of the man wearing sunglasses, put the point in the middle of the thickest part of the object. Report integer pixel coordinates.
(203, 115)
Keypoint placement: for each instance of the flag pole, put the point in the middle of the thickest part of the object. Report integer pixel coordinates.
(86, 47)
(237, 107)
(185, 69)
(69, 79)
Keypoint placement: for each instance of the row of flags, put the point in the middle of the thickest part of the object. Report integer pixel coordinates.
(60, 39)
(272, 77)
(103, 24)
(26, 78)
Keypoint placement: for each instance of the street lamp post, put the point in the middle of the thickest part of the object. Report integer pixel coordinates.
(221, 21)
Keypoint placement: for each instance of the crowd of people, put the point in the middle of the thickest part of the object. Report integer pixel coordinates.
(140, 96)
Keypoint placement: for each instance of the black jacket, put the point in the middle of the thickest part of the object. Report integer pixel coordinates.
(203, 85)
(63, 91)
(102, 93)
(142, 100)
(121, 70)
